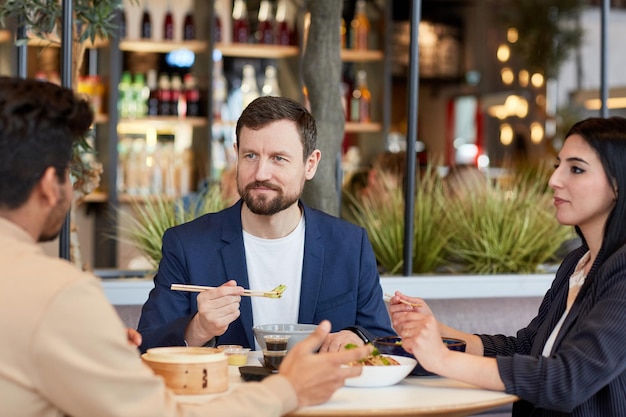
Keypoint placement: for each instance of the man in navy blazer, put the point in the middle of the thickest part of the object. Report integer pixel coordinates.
(267, 238)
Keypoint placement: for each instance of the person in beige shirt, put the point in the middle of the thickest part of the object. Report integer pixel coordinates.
(64, 350)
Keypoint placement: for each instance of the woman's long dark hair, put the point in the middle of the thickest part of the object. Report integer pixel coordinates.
(608, 138)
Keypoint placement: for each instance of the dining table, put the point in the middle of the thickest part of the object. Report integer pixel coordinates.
(423, 396)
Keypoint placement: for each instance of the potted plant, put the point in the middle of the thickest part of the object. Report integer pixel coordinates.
(466, 223)
(152, 217)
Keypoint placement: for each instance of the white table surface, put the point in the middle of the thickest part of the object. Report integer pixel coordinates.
(414, 396)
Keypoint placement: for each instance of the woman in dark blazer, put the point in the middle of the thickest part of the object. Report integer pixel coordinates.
(571, 358)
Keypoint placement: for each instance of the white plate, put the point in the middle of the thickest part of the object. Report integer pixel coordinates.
(383, 376)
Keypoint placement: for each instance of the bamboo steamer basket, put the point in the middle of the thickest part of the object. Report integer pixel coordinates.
(189, 370)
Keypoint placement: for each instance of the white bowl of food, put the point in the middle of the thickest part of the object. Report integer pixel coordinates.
(391, 370)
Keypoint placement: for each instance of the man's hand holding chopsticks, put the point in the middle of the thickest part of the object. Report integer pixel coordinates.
(217, 308)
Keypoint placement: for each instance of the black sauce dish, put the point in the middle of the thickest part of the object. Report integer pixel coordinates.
(392, 345)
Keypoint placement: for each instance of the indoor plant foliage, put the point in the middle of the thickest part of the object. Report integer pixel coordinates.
(463, 223)
(379, 208)
(43, 18)
(505, 227)
(152, 217)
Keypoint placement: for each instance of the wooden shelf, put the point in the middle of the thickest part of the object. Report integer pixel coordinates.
(239, 50)
(95, 197)
(5, 36)
(100, 119)
(352, 127)
(54, 41)
(158, 122)
(162, 46)
(352, 55)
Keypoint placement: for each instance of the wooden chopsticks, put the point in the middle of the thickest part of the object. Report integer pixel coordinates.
(248, 293)
(388, 298)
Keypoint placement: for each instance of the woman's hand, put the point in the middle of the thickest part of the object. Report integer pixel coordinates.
(416, 325)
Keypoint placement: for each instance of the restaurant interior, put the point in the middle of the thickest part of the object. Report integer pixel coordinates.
(472, 89)
(488, 90)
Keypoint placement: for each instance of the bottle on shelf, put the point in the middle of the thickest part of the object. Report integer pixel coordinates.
(241, 26)
(168, 24)
(270, 84)
(283, 33)
(219, 87)
(177, 99)
(189, 26)
(122, 28)
(146, 23)
(164, 94)
(125, 95)
(346, 94)
(153, 100)
(361, 99)
(192, 95)
(140, 93)
(217, 23)
(359, 27)
(249, 88)
(342, 33)
(265, 28)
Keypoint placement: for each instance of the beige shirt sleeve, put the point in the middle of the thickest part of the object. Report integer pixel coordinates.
(84, 365)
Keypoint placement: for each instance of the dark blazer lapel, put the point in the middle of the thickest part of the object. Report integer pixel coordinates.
(234, 260)
(312, 266)
(578, 303)
(559, 303)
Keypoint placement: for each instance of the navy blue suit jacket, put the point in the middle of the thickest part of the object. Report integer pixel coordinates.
(340, 281)
(586, 372)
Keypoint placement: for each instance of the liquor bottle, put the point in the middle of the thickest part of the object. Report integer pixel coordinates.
(177, 99)
(344, 90)
(217, 24)
(219, 88)
(164, 95)
(283, 34)
(192, 95)
(146, 23)
(153, 100)
(361, 99)
(249, 88)
(189, 27)
(265, 28)
(342, 33)
(270, 84)
(168, 24)
(241, 27)
(359, 27)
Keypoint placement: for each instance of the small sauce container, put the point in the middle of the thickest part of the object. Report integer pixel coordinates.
(273, 358)
(236, 356)
(276, 341)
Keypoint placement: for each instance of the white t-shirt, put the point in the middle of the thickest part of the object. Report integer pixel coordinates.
(272, 262)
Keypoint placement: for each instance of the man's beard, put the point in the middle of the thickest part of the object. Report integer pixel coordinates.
(263, 206)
